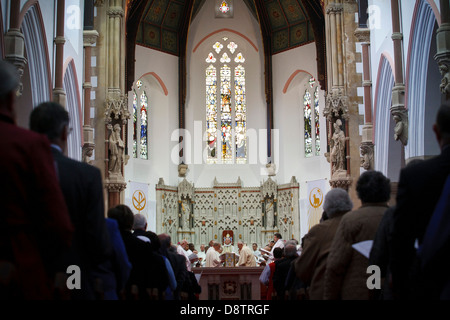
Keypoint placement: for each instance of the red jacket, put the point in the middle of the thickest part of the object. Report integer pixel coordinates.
(34, 221)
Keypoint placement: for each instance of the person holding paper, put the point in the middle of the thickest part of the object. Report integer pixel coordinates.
(310, 267)
(346, 271)
(213, 258)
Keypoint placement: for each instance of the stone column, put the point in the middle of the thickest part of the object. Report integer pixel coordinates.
(116, 105)
(443, 48)
(89, 39)
(59, 95)
(367, 146)
(398, 111)
(15, 42)
(337, 102)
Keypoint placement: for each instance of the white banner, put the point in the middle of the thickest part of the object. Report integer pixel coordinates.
(314, 203)
(139, 199)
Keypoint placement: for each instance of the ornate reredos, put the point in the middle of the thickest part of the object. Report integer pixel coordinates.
(186, 189)
(269, 188)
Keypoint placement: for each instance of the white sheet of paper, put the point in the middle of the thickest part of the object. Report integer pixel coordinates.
(364, 247)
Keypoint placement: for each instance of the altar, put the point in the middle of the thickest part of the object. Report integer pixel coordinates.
(229, 283)
(254, 214)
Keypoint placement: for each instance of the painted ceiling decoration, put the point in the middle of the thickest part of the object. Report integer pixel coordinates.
(162, 25)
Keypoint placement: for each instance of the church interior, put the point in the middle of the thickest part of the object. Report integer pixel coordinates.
(235, 115)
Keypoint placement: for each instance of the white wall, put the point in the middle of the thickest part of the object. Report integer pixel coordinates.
(162, 122)
(288, 117)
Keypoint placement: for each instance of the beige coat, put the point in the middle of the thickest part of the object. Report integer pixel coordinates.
(310, 266)
(346, 272)
(246, 258)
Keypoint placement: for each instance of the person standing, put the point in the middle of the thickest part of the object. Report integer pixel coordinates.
(419, 189)
(346, 270)
(82, 187)
(246, 256)
(213, 256)
(279, 243)
(35, 223)
(310, 266)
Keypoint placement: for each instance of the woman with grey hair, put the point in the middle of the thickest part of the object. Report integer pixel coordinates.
(310, 266)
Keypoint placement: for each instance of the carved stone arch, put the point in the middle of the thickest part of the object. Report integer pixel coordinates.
(73, 105)
(422, 93)
(386, 148)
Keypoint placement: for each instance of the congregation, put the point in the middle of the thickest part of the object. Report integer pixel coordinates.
(53, 217)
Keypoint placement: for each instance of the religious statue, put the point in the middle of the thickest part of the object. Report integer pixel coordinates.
(117, 147)
(337, 143)
(186, 212)
(269, 215)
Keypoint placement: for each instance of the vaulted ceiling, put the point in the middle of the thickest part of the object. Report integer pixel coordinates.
(285, 24)
(161, 21)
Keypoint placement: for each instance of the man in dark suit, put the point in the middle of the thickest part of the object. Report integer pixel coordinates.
(419, 189)
(35, 225)
(82, 188)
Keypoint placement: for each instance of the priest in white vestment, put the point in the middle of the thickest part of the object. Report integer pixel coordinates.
(181, 249)
(227, 245)
(213, 256)
(279, 243)
(246, 256)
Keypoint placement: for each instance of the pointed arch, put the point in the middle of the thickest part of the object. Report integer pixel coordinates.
(387, 151)
(422, 80)
(291, 78)
(73, 106)
(158, 78)
(36, 48)
(225, 30)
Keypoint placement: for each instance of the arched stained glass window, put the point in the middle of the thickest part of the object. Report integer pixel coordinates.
(317, 119)
(144, 124)
(240, 114)
(311, 117)
(232, 140)
(225, 110)
(308, 121)
(211, 113)
(134, 124)
(140, 122)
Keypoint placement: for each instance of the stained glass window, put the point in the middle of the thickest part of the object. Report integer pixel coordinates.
(231, 144)
(218, 46)
(240, 114)
(225, 58)
(134, 124)
(239, 58)
(311, 116)
(140, 122)
(143, 114)
(211, 58)
(307, 120)
(211, 114)
(224, 7)
(317, 120)
(225, 111)
(232, 47)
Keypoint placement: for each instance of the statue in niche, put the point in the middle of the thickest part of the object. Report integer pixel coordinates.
(270, 214)
(117, 148)
(337, 144)
(186, 213)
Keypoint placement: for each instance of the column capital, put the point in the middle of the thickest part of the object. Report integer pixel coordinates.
(89, 37)
(363, 35)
